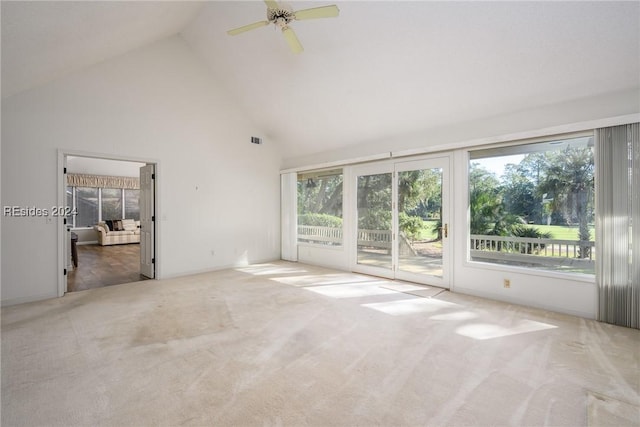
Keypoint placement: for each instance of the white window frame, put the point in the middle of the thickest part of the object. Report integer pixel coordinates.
(468, 262)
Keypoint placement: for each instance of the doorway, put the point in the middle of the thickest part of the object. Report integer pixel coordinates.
(108, 234)
(402, 220)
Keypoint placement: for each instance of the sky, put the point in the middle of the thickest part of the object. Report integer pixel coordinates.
(497, 164)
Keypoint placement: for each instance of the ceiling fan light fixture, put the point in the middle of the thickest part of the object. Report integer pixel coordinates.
(282, 15)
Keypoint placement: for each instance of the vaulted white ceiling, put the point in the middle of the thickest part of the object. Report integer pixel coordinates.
(381, 68)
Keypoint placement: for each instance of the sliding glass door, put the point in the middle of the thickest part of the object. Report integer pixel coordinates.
(375, 224)
(402, 220)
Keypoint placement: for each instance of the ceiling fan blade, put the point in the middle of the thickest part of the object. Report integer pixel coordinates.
(271, 4)
(318, 12)
(247, 28)
(292, 39)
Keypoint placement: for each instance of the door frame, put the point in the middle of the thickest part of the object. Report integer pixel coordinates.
(395, 165)
(62, 200)
(147, 221)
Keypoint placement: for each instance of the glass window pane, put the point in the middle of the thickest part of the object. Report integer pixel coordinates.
(532, 205)
(132, 204)
(87, 206)
(111, 203)
(320, 207)
(374, 220)
(420, 221)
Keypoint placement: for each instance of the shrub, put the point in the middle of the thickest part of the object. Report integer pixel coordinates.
(532, 232)
(320, 220)
(375, 219)
(410, 225)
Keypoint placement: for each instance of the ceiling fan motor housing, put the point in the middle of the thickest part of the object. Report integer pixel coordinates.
(280, 17)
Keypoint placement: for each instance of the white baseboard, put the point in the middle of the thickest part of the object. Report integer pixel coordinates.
(31, 298)
(216, 268)
(526, 303)
(91, 242)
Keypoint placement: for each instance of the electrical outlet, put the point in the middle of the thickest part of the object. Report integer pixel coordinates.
(507, 283)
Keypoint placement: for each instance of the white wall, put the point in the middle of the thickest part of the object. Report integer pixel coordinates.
(565, 117)
(218, 199)
(92, 166)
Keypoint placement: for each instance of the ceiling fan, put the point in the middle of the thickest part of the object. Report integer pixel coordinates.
(281, 15)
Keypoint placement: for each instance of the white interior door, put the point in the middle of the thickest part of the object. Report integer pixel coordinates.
(402, 220)
(147, 221)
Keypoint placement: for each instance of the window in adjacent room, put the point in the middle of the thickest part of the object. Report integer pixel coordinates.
(132, 204)
(532, 205)
(86, 207)
(111, 203)
(320, 207)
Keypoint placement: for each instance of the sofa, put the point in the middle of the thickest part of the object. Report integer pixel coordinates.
(118, 232)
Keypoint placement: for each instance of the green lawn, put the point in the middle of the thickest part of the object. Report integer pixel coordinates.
(427, 232)
(558, 232)
(562, 232)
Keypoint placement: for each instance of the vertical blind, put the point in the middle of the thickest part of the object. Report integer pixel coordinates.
(618, 224)
(288, 208)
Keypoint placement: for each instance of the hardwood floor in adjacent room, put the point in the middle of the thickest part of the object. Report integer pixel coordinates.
(100, 266)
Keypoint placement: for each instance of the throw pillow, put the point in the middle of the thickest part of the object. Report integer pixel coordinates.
(117, 225)
(128, 224)
(109, 224)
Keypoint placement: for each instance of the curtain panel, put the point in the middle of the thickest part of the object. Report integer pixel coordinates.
(617, 151)
(103, 181)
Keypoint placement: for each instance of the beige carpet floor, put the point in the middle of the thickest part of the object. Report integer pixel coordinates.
(294, 345)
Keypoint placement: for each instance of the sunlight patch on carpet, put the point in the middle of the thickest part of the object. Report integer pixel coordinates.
(351, 290)
(487, 331)
(456, 315)
(269, 269)
(403, 287)
(327, 279)
(413, 305)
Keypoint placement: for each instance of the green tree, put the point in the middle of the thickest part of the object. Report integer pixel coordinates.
(416, 189)
(485, 202)
(374, 202)
(489, 215)
(569, 178)
(519, 193)
(320, 194)
(533, 168)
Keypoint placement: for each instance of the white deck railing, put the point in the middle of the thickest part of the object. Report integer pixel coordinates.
(481, 245)
(333, 236)
(318, 234)
(534, 246)
(528, 250)
(375, 238)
